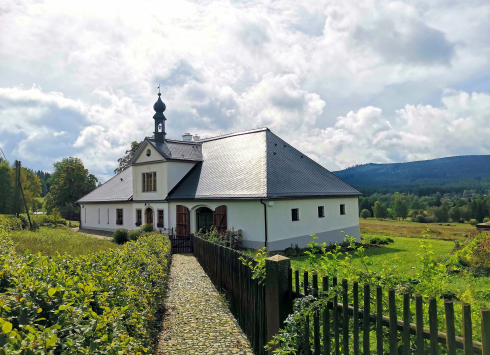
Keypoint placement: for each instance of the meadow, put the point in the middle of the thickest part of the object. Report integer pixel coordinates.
(50, 241)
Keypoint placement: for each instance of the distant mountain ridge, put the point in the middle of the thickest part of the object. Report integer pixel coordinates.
(451, 174)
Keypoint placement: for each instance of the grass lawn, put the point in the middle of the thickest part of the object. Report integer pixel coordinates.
(407, 228)
(48, 241)
(403, 253)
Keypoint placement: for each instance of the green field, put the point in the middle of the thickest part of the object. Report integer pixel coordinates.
(49, 241)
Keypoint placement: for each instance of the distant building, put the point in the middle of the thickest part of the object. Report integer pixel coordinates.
(251, 180)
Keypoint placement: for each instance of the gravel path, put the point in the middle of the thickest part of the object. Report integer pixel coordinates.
(197, 321)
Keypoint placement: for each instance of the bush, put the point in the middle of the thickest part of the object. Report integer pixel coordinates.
(420, 218)
(120, 236)
(147, 228)
(380, 240)
(10, 223)
(473, 222)
(486, 219)
(88, 304)
(365, 213)
(135, 234)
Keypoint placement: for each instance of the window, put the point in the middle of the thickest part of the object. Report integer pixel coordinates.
(321, 211)
(148, 152)
(160, 219)
(149, 182)
(138, 217)
(85, 215)
(342, 209)
(99, 215)
(119, 216)
(295, 214)
(107, 216)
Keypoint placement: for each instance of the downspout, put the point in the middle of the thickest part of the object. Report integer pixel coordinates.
(265, 220)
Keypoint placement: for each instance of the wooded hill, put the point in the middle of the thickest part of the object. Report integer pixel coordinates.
(445, 175)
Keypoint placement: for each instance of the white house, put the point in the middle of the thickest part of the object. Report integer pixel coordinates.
(251, 180)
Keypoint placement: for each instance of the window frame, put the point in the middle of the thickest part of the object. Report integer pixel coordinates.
(293, 210)
(152, 180)
(321, 211)
(162, 224)
(119, 221)
(99, 215)
(342, 209)
(139, 217)
(107, 216)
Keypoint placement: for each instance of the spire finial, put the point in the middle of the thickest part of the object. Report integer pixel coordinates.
(158, 89)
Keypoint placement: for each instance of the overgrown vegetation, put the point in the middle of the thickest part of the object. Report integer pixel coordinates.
(121, 235)
(104, 303)
(226, 239)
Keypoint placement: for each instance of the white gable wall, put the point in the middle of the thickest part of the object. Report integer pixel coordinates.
(154, 155)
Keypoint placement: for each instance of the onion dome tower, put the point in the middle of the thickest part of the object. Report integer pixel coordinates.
(160, 119)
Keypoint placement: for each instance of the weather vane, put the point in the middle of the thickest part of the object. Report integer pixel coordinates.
(158, 88)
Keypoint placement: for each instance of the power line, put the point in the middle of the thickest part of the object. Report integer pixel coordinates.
(3, 154)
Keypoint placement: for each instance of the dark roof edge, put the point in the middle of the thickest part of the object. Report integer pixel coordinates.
(104, 201)
(315, 162)
(265, 197)
(127, 167)
(138, 151)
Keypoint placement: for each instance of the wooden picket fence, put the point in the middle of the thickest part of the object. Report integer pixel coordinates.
(343, 326)
(231, 277)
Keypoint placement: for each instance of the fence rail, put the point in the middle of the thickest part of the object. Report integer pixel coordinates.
(366, 321)
(246, 295)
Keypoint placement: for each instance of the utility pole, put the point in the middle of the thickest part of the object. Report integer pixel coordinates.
(16, 191)
(18, 186)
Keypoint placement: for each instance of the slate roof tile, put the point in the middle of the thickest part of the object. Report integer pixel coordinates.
(117, 188)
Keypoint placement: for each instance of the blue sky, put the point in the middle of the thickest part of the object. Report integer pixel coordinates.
(346, 82)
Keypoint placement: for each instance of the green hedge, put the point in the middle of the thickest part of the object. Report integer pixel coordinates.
(9, 222)
(103, 303)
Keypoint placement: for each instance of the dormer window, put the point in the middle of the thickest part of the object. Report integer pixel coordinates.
(148, 152)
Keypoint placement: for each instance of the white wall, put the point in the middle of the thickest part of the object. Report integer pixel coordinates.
(154, 155)
(281, 225)
(160, 193)
(247, 215)
(90, 216)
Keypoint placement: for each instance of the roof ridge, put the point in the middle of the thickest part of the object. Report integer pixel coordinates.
(127, 167)
(255, 130)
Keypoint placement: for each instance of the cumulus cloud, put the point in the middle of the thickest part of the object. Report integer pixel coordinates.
(346, 81)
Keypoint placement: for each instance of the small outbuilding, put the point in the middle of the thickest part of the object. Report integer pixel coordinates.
(252, 180)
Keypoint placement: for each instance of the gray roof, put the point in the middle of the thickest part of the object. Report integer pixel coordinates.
(172, 150)
(257, 164)
(118, 188)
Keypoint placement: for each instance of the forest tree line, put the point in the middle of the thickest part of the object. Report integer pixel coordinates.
(69, 182)
(426, 209)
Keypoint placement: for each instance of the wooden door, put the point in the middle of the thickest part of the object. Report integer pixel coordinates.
(220, 219)
(182, 228)
(149, 216)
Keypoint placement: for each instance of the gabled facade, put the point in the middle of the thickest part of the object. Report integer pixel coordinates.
(253, 181)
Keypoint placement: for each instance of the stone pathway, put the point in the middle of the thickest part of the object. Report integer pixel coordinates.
(197, 321)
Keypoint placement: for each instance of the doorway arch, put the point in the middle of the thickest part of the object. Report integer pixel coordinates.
(149, 216)
(204, 219)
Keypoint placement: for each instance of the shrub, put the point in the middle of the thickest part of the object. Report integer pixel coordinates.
(380, 240)
(365, 213)
(473, 222)
(147, 228)
(9, 223)
(420, 218)
(120, 236)
(134, 234)
(486, 219)
(87, 304)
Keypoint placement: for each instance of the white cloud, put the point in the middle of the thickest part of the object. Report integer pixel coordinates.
(327, 75)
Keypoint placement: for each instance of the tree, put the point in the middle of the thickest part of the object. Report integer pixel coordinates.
(6, 188)
(380, 210)
(416, 205)
(455, 214)
(442, 213)
(365, 213)
(70, 183)
(401, 208)
(126, 158)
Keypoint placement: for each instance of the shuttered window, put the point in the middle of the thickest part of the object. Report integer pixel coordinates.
(149, 181)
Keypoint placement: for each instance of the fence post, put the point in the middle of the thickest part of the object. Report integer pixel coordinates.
(277, 302)
(485, 330)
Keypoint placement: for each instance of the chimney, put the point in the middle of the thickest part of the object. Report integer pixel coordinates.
(187, 137)
(196, 138)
